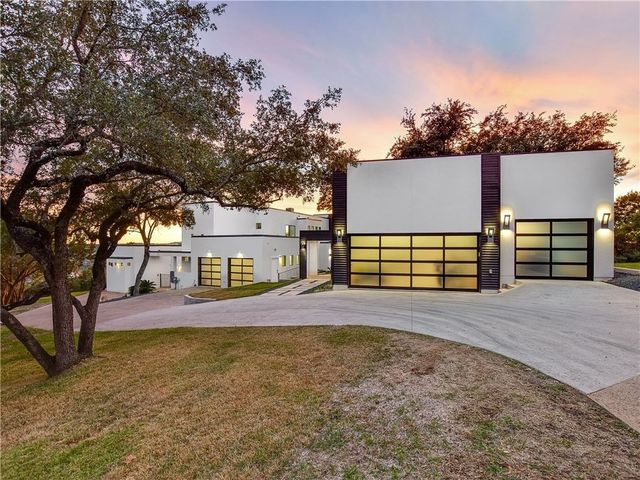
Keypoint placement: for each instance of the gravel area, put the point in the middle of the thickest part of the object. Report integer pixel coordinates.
(626, 281)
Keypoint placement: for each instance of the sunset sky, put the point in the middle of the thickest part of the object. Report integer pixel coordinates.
(576, 57)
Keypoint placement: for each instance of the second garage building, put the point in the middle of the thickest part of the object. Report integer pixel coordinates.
(473, 222)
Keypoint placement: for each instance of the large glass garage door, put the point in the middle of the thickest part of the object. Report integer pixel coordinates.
(433, 261)
(209, 271)
(240, 271)
(559, 249)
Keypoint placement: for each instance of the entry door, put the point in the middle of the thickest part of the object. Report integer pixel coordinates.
(209, 271)
(555, 249)
(240, 271)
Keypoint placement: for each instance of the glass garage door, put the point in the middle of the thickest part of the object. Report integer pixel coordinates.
(434, 261)
(209, 271)
(559, 249)
(240, 271)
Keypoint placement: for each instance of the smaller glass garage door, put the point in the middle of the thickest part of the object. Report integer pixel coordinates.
(209, 271)
(559, 249)
(420, 261)
(240, 271)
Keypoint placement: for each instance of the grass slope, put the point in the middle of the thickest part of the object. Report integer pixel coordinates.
(634, 265)
(243, 291)
(314, 402)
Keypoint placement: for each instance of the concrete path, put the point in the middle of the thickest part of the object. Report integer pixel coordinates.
(115, 308)
(583, 333)
(298, 287)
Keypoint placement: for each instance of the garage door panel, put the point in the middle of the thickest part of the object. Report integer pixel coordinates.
(569, 256)
(532, 270)
(569, 241)
(421, 261)
(532, 256)
(554, 248)
(569, 270)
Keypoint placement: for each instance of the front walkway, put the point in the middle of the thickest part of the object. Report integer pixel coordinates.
(298, 287)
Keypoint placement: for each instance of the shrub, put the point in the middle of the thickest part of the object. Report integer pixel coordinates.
(146, 286)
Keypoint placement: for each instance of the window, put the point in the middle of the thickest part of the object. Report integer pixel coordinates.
(290, 230)
(290, 259)
(282, 261)
(258, 226)
(297, 259)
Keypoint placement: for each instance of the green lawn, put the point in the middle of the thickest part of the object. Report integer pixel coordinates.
(243, 291)
(298, 403)
(635, 265)
(41, 301)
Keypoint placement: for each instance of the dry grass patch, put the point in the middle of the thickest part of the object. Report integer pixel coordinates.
(182, 403)
(313, 402)
(435, 409)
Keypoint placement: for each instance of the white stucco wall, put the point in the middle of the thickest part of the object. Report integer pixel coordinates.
(426, 195)
(260, 248)
(558, 185)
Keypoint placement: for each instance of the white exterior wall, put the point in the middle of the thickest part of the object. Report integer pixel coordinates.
(558, 185)
(260, 248)
(224, 233)
(422, 195)
(163, 262)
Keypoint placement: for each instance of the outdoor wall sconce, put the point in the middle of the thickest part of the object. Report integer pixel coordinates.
(490, 233)
(303, 243)
(339, 235)
(506, 223)
(605, 220)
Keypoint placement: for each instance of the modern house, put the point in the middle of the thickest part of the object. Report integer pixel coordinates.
(473, 222)
(225, 247)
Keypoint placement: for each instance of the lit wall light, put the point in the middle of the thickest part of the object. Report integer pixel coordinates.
(605, 220)
(339, 235)
(491, 231)
(240, 255)
(303, 243)
(506, 223)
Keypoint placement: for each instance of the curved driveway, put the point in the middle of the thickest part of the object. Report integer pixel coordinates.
(585, 334)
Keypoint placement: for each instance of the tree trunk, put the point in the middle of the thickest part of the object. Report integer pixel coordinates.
(143, 266)
(63, 336)
(89, 313)
(46, 361)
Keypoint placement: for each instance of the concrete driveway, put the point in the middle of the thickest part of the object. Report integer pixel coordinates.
(585, 334)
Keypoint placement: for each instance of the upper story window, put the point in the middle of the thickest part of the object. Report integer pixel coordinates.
(282, 261)
(259, 226)
(290, 230)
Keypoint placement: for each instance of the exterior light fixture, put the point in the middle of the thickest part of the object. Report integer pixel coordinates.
(605, 220)
(506, 223)
(339, 235)
(240, 255)
(303, 243)
(491, 231)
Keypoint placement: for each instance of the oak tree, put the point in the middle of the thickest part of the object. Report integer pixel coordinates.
(102, 99)
(451, 128)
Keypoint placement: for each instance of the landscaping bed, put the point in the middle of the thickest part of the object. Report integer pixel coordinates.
(313, 402)
(243, 291)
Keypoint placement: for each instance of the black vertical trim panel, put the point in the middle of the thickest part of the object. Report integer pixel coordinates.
(339, 251)
(490, 198)
(303, 259)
